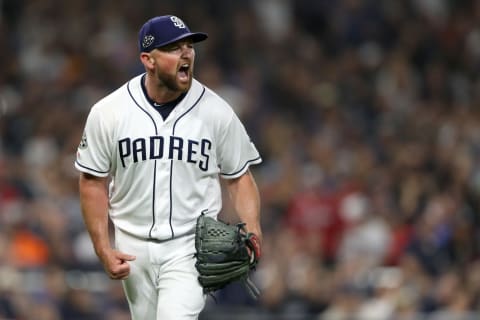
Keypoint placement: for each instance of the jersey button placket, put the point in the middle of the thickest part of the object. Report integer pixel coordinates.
(162, 199)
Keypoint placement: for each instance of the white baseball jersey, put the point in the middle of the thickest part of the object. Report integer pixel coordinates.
(164, 173)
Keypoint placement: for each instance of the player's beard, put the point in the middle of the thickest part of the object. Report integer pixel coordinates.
(172, 83)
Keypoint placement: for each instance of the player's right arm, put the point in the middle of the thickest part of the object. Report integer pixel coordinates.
(94, 204)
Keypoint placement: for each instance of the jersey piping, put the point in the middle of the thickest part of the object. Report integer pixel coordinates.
(154, 163)
(171, 161)
(90, 169)
(243, 168)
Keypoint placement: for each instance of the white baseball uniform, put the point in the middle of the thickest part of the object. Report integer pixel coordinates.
(164, 173)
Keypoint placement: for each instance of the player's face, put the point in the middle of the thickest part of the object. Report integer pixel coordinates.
(173, 65)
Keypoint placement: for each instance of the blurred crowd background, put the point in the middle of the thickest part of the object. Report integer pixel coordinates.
(367, 114)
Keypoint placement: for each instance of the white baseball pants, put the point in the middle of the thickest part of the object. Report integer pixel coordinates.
(162, 284)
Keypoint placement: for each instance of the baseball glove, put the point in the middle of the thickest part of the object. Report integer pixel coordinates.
(225, 253)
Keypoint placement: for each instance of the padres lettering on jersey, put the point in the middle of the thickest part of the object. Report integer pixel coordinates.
(163, 172)
(159, 147)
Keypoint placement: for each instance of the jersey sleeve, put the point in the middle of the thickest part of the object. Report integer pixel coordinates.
(94, 152)
(236, 150)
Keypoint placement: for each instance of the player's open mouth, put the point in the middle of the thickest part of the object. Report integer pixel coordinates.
(183, 72)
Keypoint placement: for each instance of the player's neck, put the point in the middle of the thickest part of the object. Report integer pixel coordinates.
(158, 94)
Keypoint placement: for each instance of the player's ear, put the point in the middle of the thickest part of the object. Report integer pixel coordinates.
(147, 60)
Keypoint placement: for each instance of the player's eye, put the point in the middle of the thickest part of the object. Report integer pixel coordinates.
(177, 47)
(171, 48)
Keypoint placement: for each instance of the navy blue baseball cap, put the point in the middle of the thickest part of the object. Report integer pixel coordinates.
(163, 30)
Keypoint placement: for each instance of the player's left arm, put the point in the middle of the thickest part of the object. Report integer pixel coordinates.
(243, 192)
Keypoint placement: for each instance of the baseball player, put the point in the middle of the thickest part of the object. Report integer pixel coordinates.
(151, 158)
